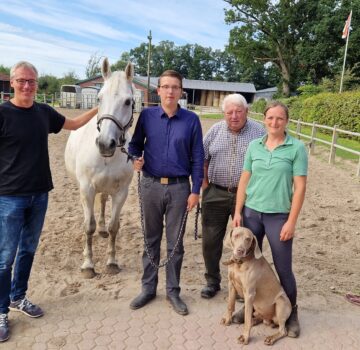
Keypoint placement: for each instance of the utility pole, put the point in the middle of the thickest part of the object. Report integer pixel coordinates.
(148, 69)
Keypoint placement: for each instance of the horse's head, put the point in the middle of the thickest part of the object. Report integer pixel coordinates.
(115, 114)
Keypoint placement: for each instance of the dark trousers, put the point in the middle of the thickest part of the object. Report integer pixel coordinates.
(161, 202)
(262, 224)
(217, 207)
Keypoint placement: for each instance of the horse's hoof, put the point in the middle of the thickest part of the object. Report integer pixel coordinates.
(104, 234)
(88, 273)
(112, 269)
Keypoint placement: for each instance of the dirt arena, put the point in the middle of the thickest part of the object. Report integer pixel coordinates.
(326, 247)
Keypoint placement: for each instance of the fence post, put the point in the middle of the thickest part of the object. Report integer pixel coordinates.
(2, 96)
(333, 148)
(298, 128)
(52, 100)
(44, 97)
(312, 141)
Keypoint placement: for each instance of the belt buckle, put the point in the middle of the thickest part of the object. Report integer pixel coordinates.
(164, 180)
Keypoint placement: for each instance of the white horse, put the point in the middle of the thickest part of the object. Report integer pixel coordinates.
(93, 157)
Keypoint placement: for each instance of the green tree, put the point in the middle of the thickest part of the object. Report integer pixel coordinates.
(5, 70)
(122, 62)
(267, 33)
(93, 66)
(302, 38)
(69, 78)
(48, 84)
(139, 56)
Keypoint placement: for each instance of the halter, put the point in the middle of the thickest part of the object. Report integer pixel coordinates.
(123, 129)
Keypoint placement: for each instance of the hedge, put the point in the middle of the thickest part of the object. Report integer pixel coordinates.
(329, 109)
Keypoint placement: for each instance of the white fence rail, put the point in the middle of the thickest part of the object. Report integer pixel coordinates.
(313, 139)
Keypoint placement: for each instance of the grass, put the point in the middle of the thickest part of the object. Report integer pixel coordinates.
(306, 130)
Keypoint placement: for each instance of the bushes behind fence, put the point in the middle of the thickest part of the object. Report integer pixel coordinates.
(328, 109)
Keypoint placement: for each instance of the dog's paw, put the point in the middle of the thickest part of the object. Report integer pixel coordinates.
(243, 340)
(269, 340)
(225, 321)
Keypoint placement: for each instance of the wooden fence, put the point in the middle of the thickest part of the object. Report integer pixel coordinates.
(313, 139)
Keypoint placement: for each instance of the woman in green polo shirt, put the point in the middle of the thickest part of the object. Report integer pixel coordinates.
(271, 193)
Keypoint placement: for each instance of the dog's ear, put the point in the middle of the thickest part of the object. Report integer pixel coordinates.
(257, 251)
(228, 240)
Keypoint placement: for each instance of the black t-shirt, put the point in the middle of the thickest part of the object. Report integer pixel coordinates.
(24, 156)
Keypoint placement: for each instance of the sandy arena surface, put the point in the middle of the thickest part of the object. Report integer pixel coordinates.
(326, 247)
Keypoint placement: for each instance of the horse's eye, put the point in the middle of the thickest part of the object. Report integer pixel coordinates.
(127, 102)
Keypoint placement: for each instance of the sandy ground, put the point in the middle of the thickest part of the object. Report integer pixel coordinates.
(326, 248)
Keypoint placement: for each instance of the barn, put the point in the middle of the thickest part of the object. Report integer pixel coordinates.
(4, 86)
(199, 92)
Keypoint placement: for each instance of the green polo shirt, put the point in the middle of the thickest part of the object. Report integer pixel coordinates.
(270, 188)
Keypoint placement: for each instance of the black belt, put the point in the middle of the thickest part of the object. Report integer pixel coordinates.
(167, 180)
(227, 189)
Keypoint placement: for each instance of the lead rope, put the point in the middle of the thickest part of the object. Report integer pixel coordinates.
(181, 231)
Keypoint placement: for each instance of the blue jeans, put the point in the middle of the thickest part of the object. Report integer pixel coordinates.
(21, 222)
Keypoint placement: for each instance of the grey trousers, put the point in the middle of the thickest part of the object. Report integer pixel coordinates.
(163, 202)
(217, 207)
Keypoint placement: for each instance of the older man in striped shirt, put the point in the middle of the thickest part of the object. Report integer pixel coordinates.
(225, 146)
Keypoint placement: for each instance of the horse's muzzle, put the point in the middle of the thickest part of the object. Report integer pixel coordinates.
(106, 149)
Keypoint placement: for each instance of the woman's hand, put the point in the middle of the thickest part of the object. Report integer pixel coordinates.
(237, 220)
(287, 231)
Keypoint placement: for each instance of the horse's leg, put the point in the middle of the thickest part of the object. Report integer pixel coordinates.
(101, 222)
(118, 201)
(87, 196)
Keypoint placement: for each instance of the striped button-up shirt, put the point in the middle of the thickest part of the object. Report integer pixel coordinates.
(225, 151)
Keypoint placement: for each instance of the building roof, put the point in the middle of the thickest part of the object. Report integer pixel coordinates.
(203, 85)
(4, 77)
(193, 84)
(271, 89)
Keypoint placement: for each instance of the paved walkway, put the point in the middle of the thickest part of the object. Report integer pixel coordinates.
(100, 324)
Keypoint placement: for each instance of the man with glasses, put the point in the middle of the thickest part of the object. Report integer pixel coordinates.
(225, 146)
(25, 180)
(171, 139)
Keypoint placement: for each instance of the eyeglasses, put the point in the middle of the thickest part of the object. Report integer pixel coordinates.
(167, 87)
(31, 82)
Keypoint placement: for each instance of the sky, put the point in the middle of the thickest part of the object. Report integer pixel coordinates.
(60, 36)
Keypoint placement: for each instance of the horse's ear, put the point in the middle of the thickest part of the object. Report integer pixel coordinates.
(105, 69)
(129, 71)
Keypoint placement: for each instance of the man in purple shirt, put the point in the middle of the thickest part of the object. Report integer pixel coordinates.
(168, 144)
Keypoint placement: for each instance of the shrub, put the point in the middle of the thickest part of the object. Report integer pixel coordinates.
(258, 106)
(328, 109)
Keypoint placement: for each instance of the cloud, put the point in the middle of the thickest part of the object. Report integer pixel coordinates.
(58, 36)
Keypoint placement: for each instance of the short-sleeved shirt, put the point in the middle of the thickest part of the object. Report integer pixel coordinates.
(225, 151)
(270, 188)
(24, 156)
